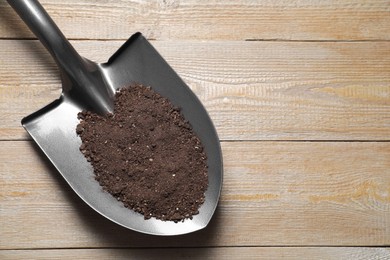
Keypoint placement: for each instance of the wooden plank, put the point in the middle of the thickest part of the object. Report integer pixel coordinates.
(299, 253)
(212, 20)
(252, 90)
(274, 193)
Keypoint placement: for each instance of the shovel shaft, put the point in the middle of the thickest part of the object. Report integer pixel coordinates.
(48, 33)
(78, 74)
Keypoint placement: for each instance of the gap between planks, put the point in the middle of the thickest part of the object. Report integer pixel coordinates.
(252, 141)
(206, 253)
(153, 39)
(193, 247)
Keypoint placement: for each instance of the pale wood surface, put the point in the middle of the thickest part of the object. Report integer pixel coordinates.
(252, 90)
(213, 19)
(267, 253)
(299, 92)
(275, 193)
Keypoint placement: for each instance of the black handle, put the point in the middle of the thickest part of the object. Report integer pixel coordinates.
(51, 37)
(78, 74)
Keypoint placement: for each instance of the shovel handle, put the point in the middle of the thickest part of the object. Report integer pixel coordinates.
(40, 23)
(76, 71)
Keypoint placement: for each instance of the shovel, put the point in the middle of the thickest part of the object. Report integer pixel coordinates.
(90, 86)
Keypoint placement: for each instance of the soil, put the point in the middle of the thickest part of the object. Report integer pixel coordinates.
(146, 155)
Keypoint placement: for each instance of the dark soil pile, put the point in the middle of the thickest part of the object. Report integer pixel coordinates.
(146, 155)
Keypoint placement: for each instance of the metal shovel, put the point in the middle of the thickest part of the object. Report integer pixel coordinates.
(91, 86)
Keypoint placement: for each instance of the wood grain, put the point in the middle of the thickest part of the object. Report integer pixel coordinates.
(274, 193)
(212, 20)
(266, 71)
(252, 90)
(340, 253)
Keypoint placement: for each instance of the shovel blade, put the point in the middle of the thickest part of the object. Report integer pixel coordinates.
(53, 128)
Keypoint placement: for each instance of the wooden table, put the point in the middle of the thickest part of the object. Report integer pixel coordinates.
(299, 92)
